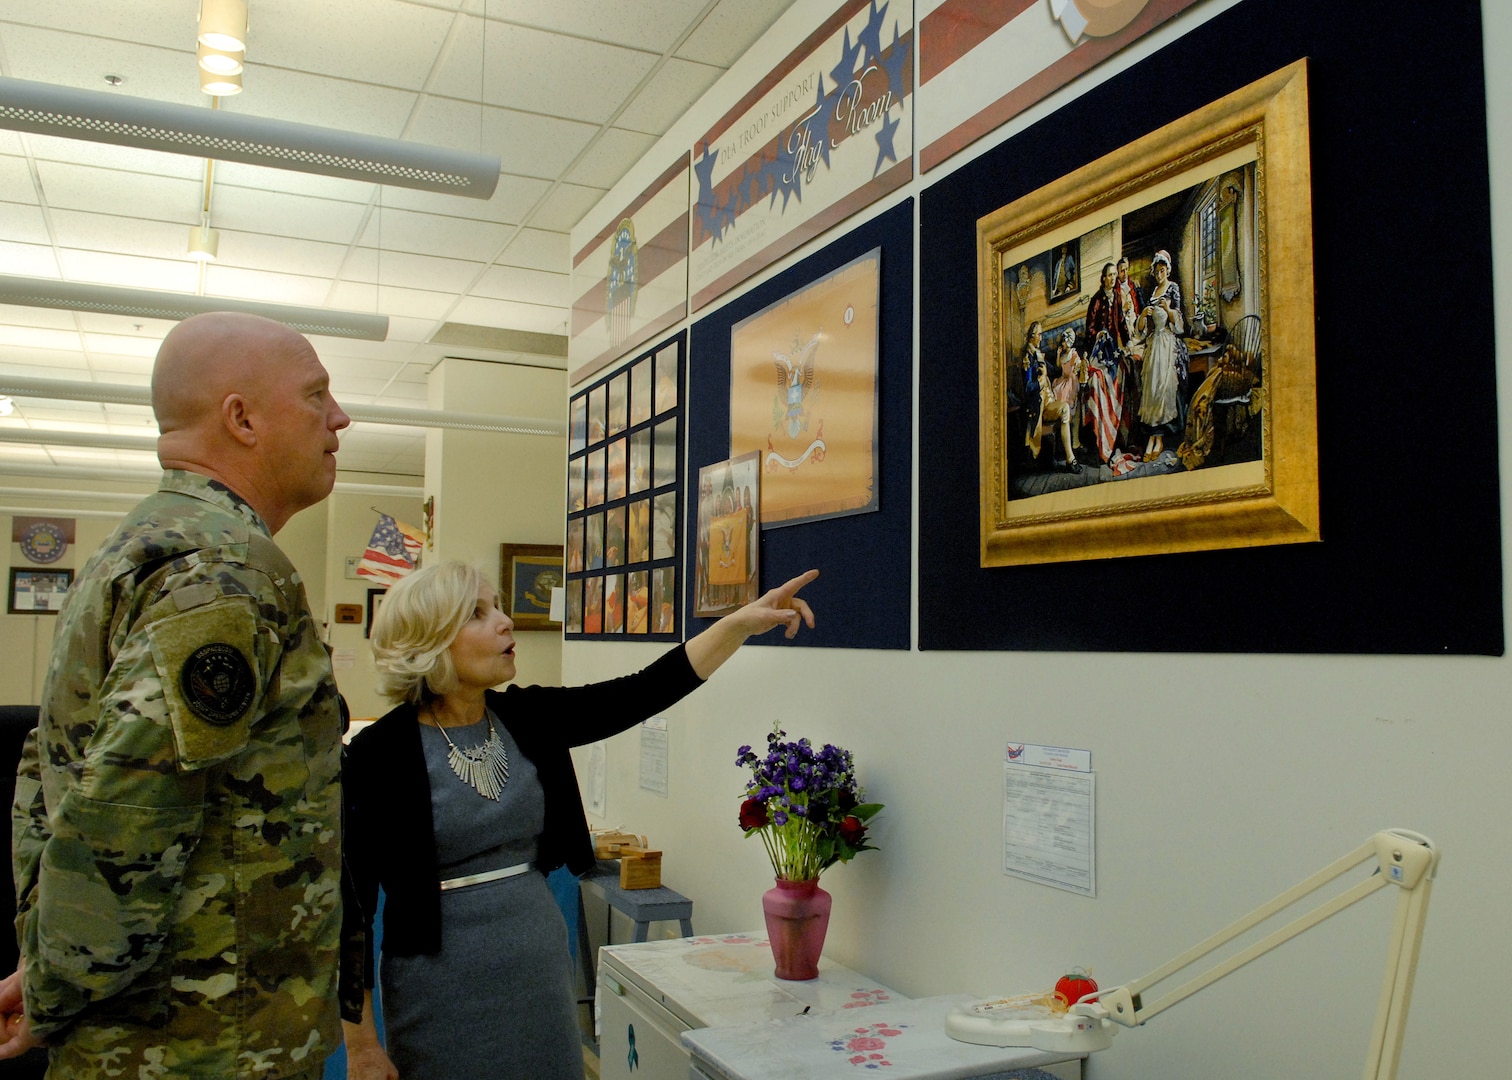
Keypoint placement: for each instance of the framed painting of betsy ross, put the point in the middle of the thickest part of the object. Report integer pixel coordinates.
(803, 395)
(1168, 403)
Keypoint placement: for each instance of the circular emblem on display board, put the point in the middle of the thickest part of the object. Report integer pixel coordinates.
(1095, 18)
(43, 542)
(217, 683)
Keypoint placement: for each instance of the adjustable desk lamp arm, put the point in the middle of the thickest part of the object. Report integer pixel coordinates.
(1406, 860)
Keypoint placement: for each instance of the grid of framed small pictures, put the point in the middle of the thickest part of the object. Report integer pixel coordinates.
(624, 495)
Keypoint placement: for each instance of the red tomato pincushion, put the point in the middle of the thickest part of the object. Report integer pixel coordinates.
(1073, 986)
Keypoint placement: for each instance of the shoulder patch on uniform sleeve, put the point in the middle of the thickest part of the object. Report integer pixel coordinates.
(217, 683)
(206, 661)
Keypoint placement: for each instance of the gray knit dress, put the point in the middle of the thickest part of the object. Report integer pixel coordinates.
(497, 1001)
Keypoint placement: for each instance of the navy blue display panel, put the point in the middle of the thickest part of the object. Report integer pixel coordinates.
(1410, 560)
(861, 600)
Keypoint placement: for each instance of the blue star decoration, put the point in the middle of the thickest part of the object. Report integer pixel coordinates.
(893, 64)
(823, 108)
(843, 72)
(871, 37)
(708, 211)
(885, 142)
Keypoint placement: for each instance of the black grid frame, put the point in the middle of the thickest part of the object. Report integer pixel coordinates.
(623, 551)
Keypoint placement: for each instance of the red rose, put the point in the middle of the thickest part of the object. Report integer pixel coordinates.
(753, 814)
(852, 830)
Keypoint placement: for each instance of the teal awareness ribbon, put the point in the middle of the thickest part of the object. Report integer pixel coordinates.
(632, 1059)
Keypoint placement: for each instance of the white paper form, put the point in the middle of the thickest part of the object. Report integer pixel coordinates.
(1048, 835)
(653, 755)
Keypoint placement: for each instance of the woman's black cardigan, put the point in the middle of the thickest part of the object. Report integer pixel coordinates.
(388, 836)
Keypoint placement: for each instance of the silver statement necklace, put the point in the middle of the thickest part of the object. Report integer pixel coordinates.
(483, 768)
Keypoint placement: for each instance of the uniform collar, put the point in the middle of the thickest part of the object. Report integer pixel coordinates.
(197, 486)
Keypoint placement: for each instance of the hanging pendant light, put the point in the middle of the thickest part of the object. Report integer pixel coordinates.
(223, 24)
(218, 61)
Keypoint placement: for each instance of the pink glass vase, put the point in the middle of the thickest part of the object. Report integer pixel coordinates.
(797, 916)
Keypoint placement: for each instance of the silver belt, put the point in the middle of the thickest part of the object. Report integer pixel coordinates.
(487, 875)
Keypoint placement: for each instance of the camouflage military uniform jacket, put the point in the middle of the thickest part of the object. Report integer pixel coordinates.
(177, 819)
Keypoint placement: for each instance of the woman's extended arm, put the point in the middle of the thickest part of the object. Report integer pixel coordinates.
(777, 607)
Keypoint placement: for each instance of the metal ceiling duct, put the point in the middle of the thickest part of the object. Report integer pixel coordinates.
(95, 116)
(118, 394)
(155, 304)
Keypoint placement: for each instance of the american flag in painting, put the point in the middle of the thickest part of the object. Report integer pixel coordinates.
(392, 552)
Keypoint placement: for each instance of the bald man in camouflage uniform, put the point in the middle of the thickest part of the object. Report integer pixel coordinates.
(176, 824)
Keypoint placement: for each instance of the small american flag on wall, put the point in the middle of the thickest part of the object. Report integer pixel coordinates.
(393, 551)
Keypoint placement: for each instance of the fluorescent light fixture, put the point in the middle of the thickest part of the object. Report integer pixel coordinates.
(69, 113)
(204, 243)
(219, 85)
(445, 419)
(218, 61)
(152, 304)
(223, 24)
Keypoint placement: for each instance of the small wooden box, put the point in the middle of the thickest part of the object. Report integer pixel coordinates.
(639, 868)
(607, 843)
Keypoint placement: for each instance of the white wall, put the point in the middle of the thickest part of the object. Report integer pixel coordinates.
(1203, 813)
(492, 489)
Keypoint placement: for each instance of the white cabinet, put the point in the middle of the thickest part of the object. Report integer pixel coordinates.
(650, 993)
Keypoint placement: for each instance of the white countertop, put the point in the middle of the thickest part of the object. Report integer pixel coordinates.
(903, 1038)
(724, 979)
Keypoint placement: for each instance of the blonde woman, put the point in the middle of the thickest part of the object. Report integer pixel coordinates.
(458, 803)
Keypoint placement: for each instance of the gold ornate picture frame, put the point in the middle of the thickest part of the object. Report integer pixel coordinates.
(1116, 422)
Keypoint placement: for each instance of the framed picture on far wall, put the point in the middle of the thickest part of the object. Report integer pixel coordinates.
(1168, 403)
(527, 574)
(37, 592)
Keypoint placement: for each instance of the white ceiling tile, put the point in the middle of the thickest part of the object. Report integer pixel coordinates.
(128, 270)
(258, 251)
(566, 207)
(537, 249)
(82, 60)
(729, 30)
(411, 271)
(130, 194)
(431, 234)
(16, 181)
(522, 68)
(28, 260)
(265, 286)
(532, 286)
(35, 337)
(664, 99)
(385, 41)
(652, 25)
(510, 314)
(122, 236)
(150, 334)
(22, 224)
(152, 24)
(528, 145)
(120, 346)
(610, 158)
(278, 214)
(300, 97)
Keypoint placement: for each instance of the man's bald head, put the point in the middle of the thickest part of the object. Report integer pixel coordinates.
(245, 400)
(207, 357)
